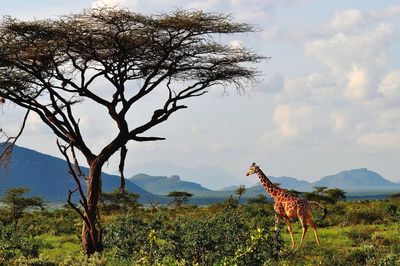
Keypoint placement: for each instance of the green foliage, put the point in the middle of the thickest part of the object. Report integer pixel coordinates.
(179, 197)
(259, 199)
(126, 236)
(389, 259)
(206, 240)
(325, 195)
(16, 204)
(360, 235)
(365, 212)
(57, 222)
(15, 244)
(395, 196)
(355, 233)
(94, 260)
(119, 201)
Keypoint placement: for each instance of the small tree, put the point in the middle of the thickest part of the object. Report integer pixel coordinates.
(118, 200)
(295, 193)
(336, 194)
(240, 191)
(179, 197)
(395, 196)
(258, 199)
(16, 204)
(325, 194)
(47, 67)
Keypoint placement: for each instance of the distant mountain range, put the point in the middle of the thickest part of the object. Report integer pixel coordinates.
(210, 177)
(162, 185)
(355, 180)
(48, 177)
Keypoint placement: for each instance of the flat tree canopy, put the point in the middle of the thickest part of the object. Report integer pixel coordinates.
(50, 66)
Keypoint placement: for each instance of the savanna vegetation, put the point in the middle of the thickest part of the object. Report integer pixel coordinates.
(228, 233)
(49, 67)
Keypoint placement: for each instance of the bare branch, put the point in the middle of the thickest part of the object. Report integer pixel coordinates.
(63, 150)
(76, 164)
(7, 147)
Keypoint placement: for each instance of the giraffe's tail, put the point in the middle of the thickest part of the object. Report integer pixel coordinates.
(325, 210)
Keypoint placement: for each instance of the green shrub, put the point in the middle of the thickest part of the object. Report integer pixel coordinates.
(13, 243)
(390, 259)
(126, 236)
(205, 240)
(359, 235)
(81, 260)
(361, 256)
(365, 213)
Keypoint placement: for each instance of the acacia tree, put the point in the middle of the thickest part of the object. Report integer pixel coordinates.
(48, 67)
(16, 204)
(179, 197)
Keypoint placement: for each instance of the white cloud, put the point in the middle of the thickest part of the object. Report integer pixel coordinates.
(357, 85)
(341, 51)
(349, 19)
(339, 120)
(292, 121)
(273, 83)
(391, 11)
(112, 3)
(207, 5)
(380, 141)
(390, 85)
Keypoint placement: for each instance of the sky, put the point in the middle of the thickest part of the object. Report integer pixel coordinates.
(327, 100)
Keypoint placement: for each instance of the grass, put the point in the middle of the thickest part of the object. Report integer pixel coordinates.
(56, 248)
(340, 241)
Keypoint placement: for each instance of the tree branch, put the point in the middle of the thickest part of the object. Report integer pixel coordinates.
(124, 151)
(7, 147)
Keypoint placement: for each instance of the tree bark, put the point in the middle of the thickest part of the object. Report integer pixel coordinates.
(91, 232)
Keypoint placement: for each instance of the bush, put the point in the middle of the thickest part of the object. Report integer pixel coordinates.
(360, 235)
(365, 213)
(390, 259)
(205, 240)
(15, 244)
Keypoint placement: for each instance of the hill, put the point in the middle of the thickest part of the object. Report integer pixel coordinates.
(47, 176)
(357, 179)
(284, 182)
(162, 185)
(213, 178)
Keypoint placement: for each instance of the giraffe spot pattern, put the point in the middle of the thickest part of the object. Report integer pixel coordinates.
(286, 205)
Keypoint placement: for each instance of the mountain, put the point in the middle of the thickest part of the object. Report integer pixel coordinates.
(162, 185)
(284, 182)
(48, 176)
(230, 188)
(212, 177)
(357, 179)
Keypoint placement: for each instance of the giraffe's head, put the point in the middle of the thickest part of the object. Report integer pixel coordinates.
(252, 169)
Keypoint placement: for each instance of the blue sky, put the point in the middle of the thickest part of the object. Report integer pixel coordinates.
(326, 101)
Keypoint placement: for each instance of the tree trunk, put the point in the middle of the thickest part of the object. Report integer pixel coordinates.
(91, 232)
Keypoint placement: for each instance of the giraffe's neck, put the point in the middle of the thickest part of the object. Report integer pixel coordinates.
(268, 185)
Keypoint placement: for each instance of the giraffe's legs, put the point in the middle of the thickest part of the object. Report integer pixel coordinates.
(314, 228)
(277, 220)
(303, 221)
(289, 226)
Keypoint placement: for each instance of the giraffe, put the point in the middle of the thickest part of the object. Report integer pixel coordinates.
(288, 206)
